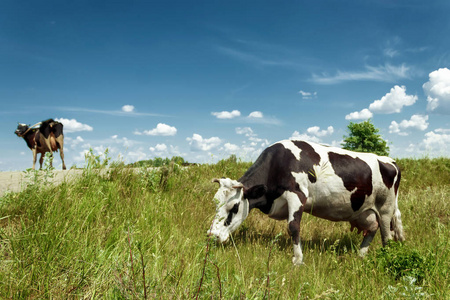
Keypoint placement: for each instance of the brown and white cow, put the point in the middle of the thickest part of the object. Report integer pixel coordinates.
(291, 177)
(48, 137)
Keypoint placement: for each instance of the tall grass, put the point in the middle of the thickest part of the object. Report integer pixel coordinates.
(121, 233)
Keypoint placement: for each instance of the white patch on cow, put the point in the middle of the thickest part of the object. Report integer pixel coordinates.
(298, 255)
(291, 147)
(229, 194)
(294, 205)
(279, 209)
(303, 182)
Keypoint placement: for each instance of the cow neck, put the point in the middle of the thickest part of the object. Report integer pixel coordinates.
(30, 128)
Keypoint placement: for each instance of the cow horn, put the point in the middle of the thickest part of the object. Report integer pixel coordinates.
(238, 186)
(216, 180)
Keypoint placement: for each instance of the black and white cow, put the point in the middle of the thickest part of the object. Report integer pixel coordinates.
(291, 177)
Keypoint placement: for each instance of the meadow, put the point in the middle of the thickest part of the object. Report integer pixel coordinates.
(125, 233)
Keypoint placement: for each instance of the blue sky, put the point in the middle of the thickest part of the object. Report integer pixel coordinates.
(207, 79)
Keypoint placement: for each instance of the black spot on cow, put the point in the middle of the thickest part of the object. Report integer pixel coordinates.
(308, 158)
(274, 168)
(397, 183)
(355, 173)
(388, 173)
(232, 212)
(51, 126)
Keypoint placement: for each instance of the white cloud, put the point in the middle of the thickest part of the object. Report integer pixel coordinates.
(361, 115)
(437, 90)
(315, 130)
(393, 101)
(198, 143)
(418, 122)
(231, 148)
(244, 130)
(387, 73)
(159, 148)
(226, 114)
(72, 125)
(442, 130)
(256, 114)
(136, 155)
(312, 134)
(160, 130)
(390, 52)
(304, 137)
(162, 150)
(128, 108)
(307, 95)
(437, 143)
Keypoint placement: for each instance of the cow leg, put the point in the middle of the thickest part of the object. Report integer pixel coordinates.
(60, 143)
(41, 160)
(34, 158)
(385, 228)
(61, 153)
(295, 207)
(364, 248)
(386, 213)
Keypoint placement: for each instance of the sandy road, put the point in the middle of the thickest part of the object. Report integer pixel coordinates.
(16, 181)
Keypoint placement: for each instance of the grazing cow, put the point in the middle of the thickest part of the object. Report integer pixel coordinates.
(47, 138)
(291, 177)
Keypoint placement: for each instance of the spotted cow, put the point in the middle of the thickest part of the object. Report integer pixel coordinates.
(47, 138)
(291, 177)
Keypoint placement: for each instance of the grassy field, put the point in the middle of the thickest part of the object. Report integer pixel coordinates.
(127, 234)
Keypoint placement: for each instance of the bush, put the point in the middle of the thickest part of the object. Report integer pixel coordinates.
(400, 261)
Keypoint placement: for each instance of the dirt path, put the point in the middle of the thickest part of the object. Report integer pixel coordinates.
(16, 181)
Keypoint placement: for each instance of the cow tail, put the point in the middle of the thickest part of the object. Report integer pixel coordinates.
(396, 222)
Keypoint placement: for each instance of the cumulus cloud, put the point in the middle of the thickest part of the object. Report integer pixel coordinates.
(226, 114)
(393, 101)
(162, 150)
(315, 130)
(72, 125)
(437, 89)
(160, 130)
(437, 143)
(136, 155)
(312, 134)
(304, 137)
(128, 108)
(247, 131)
(418, 122)
(359, 115)
(256, 114)
(198, 143)
(231, 148)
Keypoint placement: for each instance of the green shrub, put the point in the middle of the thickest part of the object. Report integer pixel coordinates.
(400, 261)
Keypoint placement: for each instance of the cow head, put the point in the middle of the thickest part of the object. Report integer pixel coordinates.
(21, 129)
(232, 206)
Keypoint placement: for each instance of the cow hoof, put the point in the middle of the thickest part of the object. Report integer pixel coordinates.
(297, 261)
(363, 252)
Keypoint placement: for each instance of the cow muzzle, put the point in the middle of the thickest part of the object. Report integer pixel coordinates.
(222, 237)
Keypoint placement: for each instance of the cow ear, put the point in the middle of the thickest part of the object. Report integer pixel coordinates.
(255, 192)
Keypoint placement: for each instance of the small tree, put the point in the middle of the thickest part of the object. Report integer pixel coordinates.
(364, 137)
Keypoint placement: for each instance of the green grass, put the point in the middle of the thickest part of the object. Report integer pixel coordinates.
(122, 234)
